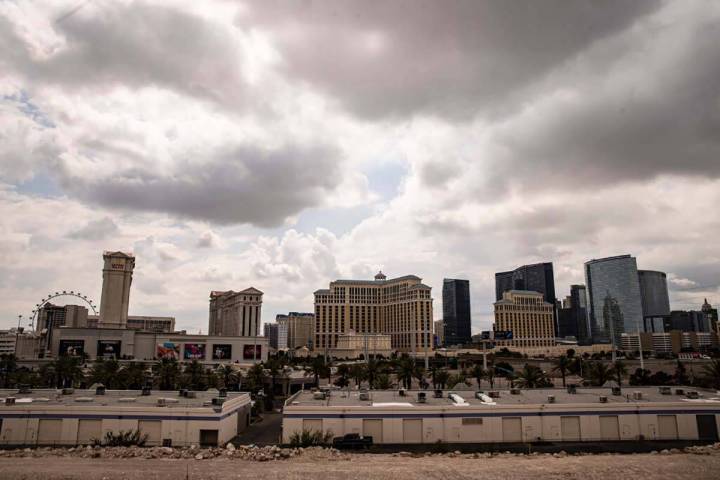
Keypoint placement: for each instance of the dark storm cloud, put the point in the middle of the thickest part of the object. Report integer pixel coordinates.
(135, 45)
(242, 185)
(450, 58)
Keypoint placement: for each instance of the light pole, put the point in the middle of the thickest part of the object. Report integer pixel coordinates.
(17, 335)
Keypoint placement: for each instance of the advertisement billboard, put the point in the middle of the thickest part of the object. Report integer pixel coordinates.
(108, 348)
(222, 352)
(194, 351)
(72, 348)
(168, 350)
(248, 352)
(503, 335)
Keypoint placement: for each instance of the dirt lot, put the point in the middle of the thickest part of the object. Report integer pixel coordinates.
(371, 467)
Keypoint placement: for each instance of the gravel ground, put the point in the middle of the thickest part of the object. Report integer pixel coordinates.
(372, 467)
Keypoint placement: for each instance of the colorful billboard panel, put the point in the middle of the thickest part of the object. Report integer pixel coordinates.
(72, 348)
(248, 352)
(168, 350)
(194, 351)
(108, 348)
(222, 352)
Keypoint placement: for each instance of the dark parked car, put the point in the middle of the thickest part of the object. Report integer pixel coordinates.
(352, 440)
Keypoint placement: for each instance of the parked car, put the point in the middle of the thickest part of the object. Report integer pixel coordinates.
(352, 440)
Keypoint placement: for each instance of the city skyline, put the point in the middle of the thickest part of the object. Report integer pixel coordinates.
(236, 156)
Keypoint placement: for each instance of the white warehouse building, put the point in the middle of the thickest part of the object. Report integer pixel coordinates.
(518, 416)
(51, 417)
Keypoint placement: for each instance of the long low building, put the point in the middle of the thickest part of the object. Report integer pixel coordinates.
(131, 344)
(517, 416)
(79, 417)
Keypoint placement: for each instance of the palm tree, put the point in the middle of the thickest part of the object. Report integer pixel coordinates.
(640, 377)
(105, 372)
(343, 379)
(489, 374)
(441, 379)
(406, 371)
(167, 373)
(681, 377)
(712, 373)
(317, 369)
(68, 370)
(532, 376)
(8, 365)
(256, 377)
(562, 365)
(373, 369)
(599, 373)
(229, 377)
(419, 375)
(195, 375)
(275, 367)
(381, 381)
(478, 374)
(132, 376)
(620, 371)
(358, 373)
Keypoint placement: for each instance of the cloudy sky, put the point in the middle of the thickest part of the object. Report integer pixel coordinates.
(284, 144)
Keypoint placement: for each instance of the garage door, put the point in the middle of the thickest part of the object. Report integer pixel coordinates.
(570, 428)
(88, 431)
(707, 427)
(512, 429)
(412, 430)
(609, 427)
(151, 428)
(49, 431)
(374, 429)
(313, 425)
(667, 427)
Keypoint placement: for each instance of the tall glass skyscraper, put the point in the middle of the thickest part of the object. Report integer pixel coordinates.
(614, 301)
(538, 277)
(456, 311)
(654, 293)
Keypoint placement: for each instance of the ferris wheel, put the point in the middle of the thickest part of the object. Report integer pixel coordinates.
(64, 293)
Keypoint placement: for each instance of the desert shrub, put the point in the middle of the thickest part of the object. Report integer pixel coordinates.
(129, 438)
(310, 438)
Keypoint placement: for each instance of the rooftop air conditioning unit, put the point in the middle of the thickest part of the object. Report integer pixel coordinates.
(182, 392)
(637, 395)
(551, 399)
(24, 389)
(146, 391)
(190, 394)
(616, 391)
(161, 402)
(223, 392)
(664, 390)
(68, 391)
(364, 396)
(692, 394)
(494, 394)
(218, 401)
(100, 390)
(603, 399)
(479, 394)
(515, 391)
(679, 391)
(572, 389)
(421, 398)
(438, 394)
(401, 392)
(319, 396)
(10, 401)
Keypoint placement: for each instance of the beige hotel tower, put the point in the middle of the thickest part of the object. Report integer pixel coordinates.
(117, 278)
(399, 307)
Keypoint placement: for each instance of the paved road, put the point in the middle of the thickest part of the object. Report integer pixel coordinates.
(266, 432)
(371, 467)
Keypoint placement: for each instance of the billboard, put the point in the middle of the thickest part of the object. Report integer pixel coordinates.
(248, 352)
(503, 335)
(168, 350)
(108, 348)
(222, 352)
(194, 351)
(72, 348)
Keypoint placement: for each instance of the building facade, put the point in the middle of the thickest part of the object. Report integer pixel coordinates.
(270, 330)
(456, 311)
(300, 329)
(654, 293)
(439, 327)
(614, 303)
(712, 315)
(399, 307)
(528, 316)
(572, 318)
(48, 418)
(538, 277)
(235, 313)
(368, 345)
(117, 279)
